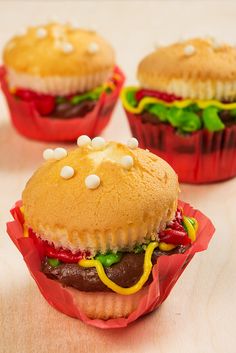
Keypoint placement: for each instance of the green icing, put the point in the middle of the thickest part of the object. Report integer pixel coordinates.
(130, 96)
(108, 89)
(233, 113)
(138, 249)
(211, 119)
(109, 259)
(92, 95)
(194, 108)
(53, 262)
(185, 120)
(159, 110)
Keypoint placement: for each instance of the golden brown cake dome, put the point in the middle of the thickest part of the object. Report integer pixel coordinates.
(100, 196)
(195, 68)
(58, 59)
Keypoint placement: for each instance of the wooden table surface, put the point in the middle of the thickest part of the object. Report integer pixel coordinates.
(199, 315)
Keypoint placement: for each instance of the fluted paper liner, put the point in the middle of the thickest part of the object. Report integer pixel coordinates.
(200, 157)
(31, 124)
(165, 273)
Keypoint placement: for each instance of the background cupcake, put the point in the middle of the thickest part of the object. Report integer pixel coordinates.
(185, 108)
(57, 80)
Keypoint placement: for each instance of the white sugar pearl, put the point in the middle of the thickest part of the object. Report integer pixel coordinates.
(83, 140)
(98, 143)
(67, 48)
(132, 143)
(92, 181)
(93, 48)
(60, 153)
(48, 154)
(127, 162)
(67, 172)
(41, 32)
(189, 50)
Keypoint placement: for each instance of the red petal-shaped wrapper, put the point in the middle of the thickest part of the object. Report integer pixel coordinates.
(165, 273)
(200, 157)
(31, 124)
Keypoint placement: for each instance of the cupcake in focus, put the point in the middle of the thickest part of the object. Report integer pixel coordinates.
(185, 108)
(60, 81)
(103, 233)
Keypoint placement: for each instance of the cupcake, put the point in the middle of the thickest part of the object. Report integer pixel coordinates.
(185, 108)
(103, 233)
(60, 81)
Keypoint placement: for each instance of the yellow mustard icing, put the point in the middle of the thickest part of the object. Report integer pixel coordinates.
(166, 247)
(202, 104)
(147, 267)
(190, 228)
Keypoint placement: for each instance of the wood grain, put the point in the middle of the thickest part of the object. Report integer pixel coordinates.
(199, 315)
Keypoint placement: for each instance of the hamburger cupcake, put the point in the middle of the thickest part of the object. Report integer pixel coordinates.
(60, 81)
(103, 233)
(185, 108)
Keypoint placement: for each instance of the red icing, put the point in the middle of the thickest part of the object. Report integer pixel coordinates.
(166, 97)
(25, 94)
(175, 232)
(45, 104)
(46, 249)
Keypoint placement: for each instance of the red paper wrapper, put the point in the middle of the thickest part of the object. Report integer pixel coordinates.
(31, 124)
(202, 157)
(165, 273)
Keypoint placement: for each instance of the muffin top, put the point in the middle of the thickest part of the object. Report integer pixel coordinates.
(99, 188)
(59, 50)
(195, 68)
(194, 58)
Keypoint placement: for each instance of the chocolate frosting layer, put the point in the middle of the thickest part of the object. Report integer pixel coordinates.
(124, 273)
(67, 110)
